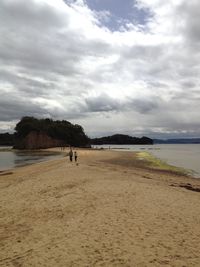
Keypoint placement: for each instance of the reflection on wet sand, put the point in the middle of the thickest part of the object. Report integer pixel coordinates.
(14, 158)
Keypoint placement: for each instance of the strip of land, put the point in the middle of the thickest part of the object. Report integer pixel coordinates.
(109, 209)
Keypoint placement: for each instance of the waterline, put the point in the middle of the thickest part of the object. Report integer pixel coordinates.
(10, 159)
(185, 156)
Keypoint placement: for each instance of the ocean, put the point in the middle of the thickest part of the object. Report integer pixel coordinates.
(11, 159)
(186, 156)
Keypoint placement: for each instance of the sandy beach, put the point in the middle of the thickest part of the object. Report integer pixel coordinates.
(105, 211)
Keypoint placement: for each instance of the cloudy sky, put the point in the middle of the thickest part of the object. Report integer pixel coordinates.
(112, 66)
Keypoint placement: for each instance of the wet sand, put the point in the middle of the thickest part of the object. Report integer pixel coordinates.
(108, 210)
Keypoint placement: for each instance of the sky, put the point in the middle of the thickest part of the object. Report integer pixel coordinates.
(112, 66)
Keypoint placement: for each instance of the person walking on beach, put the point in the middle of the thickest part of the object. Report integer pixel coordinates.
(75, 156)
(71, 155)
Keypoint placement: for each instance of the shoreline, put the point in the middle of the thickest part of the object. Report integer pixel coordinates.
(44, 154)
(123, 161)
(127, 160)
(180, 155)
(151, 162)
(98, 213)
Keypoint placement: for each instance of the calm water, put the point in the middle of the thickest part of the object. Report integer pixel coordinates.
(180, 155)
(12, 159)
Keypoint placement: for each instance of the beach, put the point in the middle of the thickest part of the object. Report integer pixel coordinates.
(107, 210)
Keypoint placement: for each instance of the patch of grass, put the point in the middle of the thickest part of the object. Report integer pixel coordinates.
(155, 163)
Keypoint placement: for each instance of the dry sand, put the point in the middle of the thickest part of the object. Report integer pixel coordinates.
(105, 211)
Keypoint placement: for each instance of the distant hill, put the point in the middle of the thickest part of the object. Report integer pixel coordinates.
(177, 141)
(121, 139)
(6, 139)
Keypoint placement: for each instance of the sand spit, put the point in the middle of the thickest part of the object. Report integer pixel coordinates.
(105, 211)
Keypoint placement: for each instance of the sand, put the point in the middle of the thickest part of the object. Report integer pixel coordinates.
(105, 211)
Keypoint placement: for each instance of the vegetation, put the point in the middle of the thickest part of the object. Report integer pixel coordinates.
(152, 162)
(6, 139)
(121, 139)
(63, 130)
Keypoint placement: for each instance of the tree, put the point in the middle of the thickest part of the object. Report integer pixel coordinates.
(61, 130)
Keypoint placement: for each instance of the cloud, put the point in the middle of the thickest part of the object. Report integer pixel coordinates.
(102, 103)
(59, 59)
(105, 103)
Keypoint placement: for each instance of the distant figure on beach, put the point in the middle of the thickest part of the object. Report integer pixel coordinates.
(75, 156)
(71, 154)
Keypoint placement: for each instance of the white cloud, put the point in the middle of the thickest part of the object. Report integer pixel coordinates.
(59, 60)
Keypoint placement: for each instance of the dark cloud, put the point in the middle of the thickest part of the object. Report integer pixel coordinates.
(105, 103)
(102, 103)
(143, 105)
(15, 107)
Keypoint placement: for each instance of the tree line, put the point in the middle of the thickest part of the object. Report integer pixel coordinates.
(122, 139)
(6, 139)
(69, 134)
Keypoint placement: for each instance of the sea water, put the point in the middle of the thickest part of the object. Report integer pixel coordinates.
(181, 155)
(10, 158)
